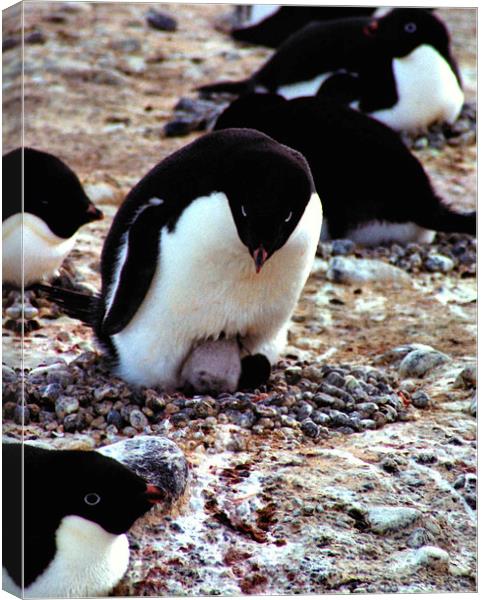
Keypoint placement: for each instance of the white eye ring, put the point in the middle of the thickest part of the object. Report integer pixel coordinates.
(410, 27)
(92, 499)
(243, 211)
(289, 217)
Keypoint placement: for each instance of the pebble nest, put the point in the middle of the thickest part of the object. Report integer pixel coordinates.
(312, 400)
(450, 252)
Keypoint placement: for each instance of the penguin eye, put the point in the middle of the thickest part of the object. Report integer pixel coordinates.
(410, 27)
(289, 217)
(92, 499)
(243, 211)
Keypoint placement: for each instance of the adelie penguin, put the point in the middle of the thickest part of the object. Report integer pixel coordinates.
(54, 207)
(400, 68)
(372, 188)
(271, 24)
(214, 243)
(77, 507)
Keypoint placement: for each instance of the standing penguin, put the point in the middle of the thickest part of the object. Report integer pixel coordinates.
(215, 242)
(271, 24)
(401, 64)
(77, 507)
(54, 207)
(373, 189)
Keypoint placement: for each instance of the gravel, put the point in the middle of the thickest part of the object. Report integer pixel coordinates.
(311, 399)
(449, 253)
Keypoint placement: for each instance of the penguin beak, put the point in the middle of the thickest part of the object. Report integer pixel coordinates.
(153, 494)
(259, 256)
(370, 30)
(94, 214)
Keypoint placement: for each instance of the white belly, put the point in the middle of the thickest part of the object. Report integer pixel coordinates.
(374, 233)
(210, 286)
(303, 88)
(89, 562)
(428, 92)
(260, 12)
(43, 251)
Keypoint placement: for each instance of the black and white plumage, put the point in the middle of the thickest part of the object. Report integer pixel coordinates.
(55, 206)
(215, 242)
(401, 68)
(271, 24)
(372, 188)
(77, 507)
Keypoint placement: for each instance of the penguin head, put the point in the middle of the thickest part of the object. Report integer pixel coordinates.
(52, 191)
(88, 485)
(268, 187)
(402, 30)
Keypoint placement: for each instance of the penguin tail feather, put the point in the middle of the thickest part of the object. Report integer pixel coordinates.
(446, 220)
(83, 307)
(237, 88)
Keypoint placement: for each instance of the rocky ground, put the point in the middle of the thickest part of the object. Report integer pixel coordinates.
(355, 468)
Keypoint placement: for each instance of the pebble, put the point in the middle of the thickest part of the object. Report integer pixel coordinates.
(439, 263)
(385, 519)
(161, 21)
(342, 247)
(310, 429)
(349, 270)
(420, 399)
(157, 460)
(429, 557)
(420, 537)
(419, 363)
(65, 405)
(8, 375)
(467, 377)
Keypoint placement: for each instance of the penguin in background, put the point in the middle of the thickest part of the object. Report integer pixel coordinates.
(373, 189)
(270, 24)
(54, 207)
(214, 243)
(77, 507)
(402, 69)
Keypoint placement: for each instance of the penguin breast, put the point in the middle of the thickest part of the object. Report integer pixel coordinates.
(89, 562)
(428, 91)
(43, 251)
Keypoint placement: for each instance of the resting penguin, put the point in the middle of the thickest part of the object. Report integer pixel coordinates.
(373, 189)
(55, 206)
(405, 75)
(77, 507)
(216, 241)
(270, 24)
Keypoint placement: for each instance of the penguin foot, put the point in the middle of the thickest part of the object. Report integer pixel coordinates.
(256, 370)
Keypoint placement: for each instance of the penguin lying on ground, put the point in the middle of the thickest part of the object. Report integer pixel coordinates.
(215, 242)
(270, 24)
(55, 206)
(401, 64)
(372, 188)
(78, 505)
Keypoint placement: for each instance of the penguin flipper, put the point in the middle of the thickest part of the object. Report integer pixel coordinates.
(137, 271)
(378, 89)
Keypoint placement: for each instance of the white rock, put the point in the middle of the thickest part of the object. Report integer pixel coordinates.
(429, 557)
(383, 519)
(419, 362)
(346, 269)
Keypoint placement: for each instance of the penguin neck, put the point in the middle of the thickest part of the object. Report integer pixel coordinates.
(76, 535)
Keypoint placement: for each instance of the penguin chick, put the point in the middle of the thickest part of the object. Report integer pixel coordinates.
(54, 207)
(78, 505)
(217, 238)
(373, 189)
(271, 24)
(407, 76)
